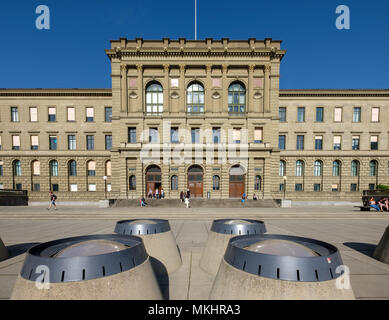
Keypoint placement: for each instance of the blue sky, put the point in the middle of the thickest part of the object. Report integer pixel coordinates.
(71, 54)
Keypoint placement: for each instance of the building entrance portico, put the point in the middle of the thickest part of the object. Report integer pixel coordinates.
(237, 181)
(153, 179)
(195, 181)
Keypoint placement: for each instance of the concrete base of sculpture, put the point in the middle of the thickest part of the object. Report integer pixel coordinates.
(3, 251)
(381, 253)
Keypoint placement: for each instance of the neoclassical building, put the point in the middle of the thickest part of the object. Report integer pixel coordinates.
(204, 115)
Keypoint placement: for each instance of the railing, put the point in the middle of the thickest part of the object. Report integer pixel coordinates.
(5, 192)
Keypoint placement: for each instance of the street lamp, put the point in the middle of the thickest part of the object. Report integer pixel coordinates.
(105, 187)
(284, 186)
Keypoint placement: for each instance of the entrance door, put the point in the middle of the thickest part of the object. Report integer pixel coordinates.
(153, 179)
(237, 182)
(195, 181)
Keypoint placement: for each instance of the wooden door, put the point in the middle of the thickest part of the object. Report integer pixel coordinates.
(237, 186)
(195, 182)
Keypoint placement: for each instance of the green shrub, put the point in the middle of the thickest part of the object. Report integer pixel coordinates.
(382, 187)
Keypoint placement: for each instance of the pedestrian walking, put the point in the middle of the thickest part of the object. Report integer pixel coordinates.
(53, 198)
(182, 196)
(187, 202)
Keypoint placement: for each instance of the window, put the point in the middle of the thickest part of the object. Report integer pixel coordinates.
(17, 168)
(90, 114)
(54, 187)
(258, 135)
(282, 168)
(318, 142)
(108, 142)
(71, 142)
(353, 187)
(52, 142)
(34, 142)
(355, 143)
(195, 98)
(195, 132)
(108, 114)
(282, 187)
(335, 188)
(317, 168)
(174, 183)
(282, 114)
(71, 114)
(301, 114)
(36, 187)
(216, 135)
(91, 168)
(73, 188)
(54, 168)
(174, 135)
(0, 143)
(52, 114)
(281, 142)
(92, 187)
(33, 114)
(90, 142)
(132, 135)
(72, 168)
(374, 143)
(338, 114)
(336, 166)
(36, 168)
(154, 98)
(1, 169)
(153, 135)
(14, 114)
(257, 183)
(373, 168)
(108, 168)
(18, 186)
(215, 183)
(15, 142)
(1, 186)
(236, 98)
(109, 187)
(298, 187)
(317, 187)
(300, 143)
(375, 114)
(299, 168)
(236, 135)
(371, 186)
(354, 168)
(319, 114)
(357, 114)
(337, 143)
(132, 181)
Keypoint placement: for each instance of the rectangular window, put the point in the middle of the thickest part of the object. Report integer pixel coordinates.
(71, 113)
(374, 143)
(300, 142)
(375, 114)
(90, 142)
(282, 114)
(355, 143)
(1, 168)
(108, 114)
(338, 114)
(317, 187)
(89, 114)
(281, 142)
(174, 135)
(91, 187)
(335, 188)
(33, 114)
(353, 187)
(216, 135)
(153, 135)
(108, 142)
(258, 135)
(371, 186)
(357, 114)
(71, 142)
(195, 135)
(34, 142)
(318, 142)
(52, 114)
(337, 143)
(53, 142)
(14, 114)
(298, 187)
(0, 143)
(37, 187)
(54, 187)
(132, 135)
(19, 186)
(1, 186)
(15, 142)
(73, 188)
(282, 187)
(109, 187)
(236, 135)
(301, 114)
(319, 114)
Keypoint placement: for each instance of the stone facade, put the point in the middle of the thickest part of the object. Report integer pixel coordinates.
(151, 82)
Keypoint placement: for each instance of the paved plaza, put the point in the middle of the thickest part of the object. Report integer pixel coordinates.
(355, 233)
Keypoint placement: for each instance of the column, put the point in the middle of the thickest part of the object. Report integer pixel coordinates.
(207, 89)
(266, 94)
(166, 91)
(182, 89)
(139, 67)
(250, 91)
(123, 71)
(225, 88)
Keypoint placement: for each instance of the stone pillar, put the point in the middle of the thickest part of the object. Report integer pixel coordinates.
(140, 87)
(124, 102)
(225, 88)
(208, 85)
(182, 103)
(250, 91)
(166, 104)
(266, 94)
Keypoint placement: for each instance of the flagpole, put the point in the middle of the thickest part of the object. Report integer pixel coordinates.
(195, 19)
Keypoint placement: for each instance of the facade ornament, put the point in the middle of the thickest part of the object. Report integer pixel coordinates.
(182, 67)
(208, 68)
(225, 67)
(267, 67)
(166, 67)
(139, 67)
(251, 67)
(123, 67)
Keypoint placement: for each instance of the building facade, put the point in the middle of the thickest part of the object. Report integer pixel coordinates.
(204, 115)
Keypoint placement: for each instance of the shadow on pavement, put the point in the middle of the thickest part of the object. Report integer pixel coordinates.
(364, 248)
(18, 249)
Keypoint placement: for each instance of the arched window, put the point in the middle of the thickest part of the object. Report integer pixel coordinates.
(257, 183)
(236, 98)
(72, 168)
(195, 98)
(91, 168)
(354, 168)
(336, 165)
(53, 168)
(216, 183)
(174, 183)
(36, 168)
(373, 168)
(17, 168)
(299, 168)
(132, 183)
(282, 170)
(154, 98)
(108, 171)
(317, 169)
